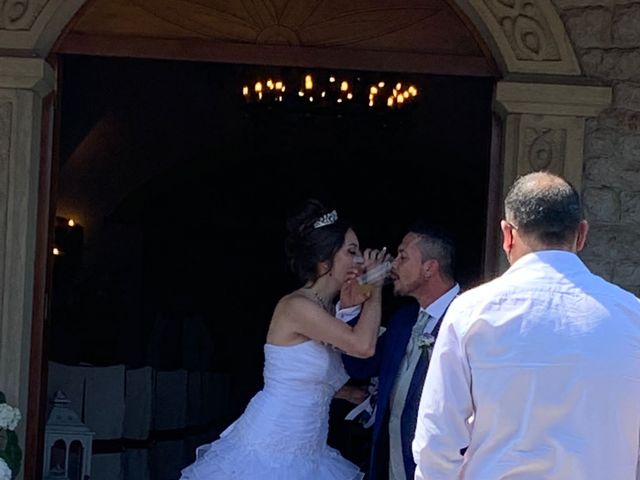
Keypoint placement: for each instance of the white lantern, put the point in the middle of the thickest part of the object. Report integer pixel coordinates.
(67, 443)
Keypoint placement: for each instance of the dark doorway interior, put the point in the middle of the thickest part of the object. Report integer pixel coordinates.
(181, 190)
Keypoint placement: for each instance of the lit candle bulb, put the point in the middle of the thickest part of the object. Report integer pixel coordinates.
(344, 86)
(71, 222)
(258, 87)
(308, 82)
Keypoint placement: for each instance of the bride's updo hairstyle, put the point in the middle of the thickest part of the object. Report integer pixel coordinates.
(315, 235)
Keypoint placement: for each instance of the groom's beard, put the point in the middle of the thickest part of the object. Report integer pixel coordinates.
(406, 289)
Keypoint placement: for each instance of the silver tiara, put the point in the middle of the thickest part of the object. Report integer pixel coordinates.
(326, 219)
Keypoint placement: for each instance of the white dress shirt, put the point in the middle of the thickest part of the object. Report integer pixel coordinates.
(538, 374)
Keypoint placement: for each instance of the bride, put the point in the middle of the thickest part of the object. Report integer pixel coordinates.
(283, 432)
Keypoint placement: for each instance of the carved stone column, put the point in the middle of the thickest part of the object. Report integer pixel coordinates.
(24, 82)
(544, 130)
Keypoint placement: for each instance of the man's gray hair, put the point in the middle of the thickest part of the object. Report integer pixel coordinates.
(435, 243)
(545, 206)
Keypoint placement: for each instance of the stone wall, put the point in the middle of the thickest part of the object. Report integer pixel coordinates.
(606, 37)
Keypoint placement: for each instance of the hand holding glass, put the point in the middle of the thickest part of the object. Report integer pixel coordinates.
(376, 274)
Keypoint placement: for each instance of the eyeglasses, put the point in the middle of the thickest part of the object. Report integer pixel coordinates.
(510, 225)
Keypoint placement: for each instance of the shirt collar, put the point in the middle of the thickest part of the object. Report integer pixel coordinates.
(437, 308)
(560, 259)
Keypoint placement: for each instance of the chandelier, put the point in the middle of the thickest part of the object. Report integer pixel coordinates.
(326, 89)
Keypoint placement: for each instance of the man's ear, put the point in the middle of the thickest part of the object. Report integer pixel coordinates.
(507, 236)
(583, 230)
(430, 267)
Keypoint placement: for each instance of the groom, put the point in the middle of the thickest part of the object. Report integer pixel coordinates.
(423, 270)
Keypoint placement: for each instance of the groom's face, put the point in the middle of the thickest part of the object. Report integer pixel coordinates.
(407, 267)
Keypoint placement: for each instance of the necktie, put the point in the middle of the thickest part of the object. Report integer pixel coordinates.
(416, 331)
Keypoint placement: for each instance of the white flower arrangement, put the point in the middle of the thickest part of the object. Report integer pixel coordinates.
(9, 417)
(5, 471)
(426, 342)
(10, 452)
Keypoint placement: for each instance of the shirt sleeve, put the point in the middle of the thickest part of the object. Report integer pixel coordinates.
(446, 407)
(347, 314)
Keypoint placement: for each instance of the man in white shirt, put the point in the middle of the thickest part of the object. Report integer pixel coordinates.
(535, 375)
(424, 270)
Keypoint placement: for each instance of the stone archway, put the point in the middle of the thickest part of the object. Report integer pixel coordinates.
(524, 37)
(542, 100)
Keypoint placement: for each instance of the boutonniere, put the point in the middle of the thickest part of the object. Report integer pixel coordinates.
(425, 342)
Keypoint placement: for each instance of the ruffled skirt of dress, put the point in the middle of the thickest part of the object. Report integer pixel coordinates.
(225, 459)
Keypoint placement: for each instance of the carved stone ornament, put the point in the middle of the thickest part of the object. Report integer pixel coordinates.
(545, 147)
(526, 28)
(19, 14)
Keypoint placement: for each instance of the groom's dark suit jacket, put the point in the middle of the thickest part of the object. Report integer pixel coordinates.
(385, 364)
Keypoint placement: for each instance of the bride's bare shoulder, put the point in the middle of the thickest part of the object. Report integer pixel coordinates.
(288, 312)
(293, 302)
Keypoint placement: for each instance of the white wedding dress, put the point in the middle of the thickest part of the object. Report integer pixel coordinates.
(282, 435)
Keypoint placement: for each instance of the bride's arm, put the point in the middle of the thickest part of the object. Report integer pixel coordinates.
(306, 318)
